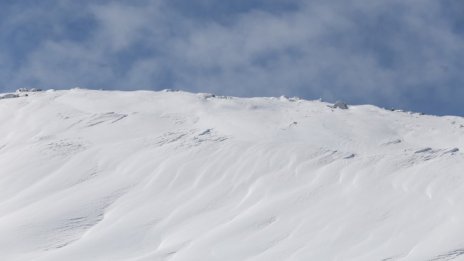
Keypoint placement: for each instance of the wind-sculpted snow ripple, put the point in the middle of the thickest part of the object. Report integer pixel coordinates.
(176, 176)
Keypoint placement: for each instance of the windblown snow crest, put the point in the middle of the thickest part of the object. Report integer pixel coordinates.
(99, 175)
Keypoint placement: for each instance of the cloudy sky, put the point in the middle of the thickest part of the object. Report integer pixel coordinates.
(392, 53)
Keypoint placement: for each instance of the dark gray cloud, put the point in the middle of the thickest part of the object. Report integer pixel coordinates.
(406, 54)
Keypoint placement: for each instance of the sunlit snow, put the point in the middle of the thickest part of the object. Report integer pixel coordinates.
(145, 176)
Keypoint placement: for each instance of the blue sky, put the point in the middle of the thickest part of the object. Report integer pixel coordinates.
(391, 53)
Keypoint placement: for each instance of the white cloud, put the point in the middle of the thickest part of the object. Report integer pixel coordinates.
(368, 51)
(121, 25)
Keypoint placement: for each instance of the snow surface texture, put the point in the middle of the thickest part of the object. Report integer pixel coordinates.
(97, 175)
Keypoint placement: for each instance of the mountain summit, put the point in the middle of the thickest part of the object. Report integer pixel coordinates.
(139, 176)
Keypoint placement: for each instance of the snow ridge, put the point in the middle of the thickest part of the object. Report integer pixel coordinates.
(109, 175)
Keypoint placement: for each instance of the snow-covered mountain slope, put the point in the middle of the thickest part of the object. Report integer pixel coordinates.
(98, 175)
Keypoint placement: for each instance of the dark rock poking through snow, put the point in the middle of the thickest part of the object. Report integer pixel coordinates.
(28, 90)
(9, 96)
(339, 105)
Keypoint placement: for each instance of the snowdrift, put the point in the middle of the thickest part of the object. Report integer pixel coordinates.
(99, 175)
